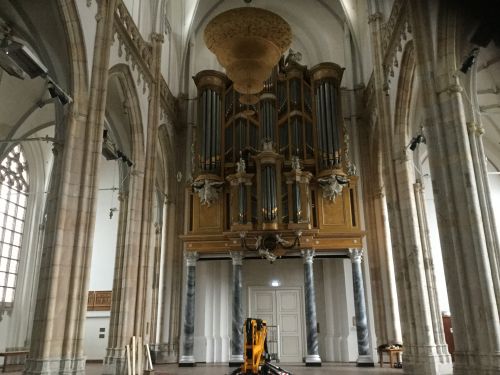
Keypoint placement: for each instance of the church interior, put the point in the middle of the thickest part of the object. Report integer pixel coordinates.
(328, 168)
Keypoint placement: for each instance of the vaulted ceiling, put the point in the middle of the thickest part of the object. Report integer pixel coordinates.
(322, 30)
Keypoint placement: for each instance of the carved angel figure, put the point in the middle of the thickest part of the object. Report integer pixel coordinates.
(207, 190)
(267, 254)
(332, 186)
(295, 163)
(282, 241)
(241, 166)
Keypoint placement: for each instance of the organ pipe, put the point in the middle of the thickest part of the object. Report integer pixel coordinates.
(242, 203)
(297, 118)
(211, 86)
(326, 80)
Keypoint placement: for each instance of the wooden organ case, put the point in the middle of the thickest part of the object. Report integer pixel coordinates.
(272, 171)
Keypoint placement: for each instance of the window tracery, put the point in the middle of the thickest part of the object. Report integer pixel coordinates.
(14, 187)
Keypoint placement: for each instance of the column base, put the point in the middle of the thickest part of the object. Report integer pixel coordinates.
(115, 361)
(187, 361)
(365, 361)
(313, 360)
(55, 366)
(235, 360)
(165, 353)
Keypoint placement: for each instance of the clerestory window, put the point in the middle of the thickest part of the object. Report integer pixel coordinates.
(14, 185)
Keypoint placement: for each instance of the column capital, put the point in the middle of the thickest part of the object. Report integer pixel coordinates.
(356, 255)
(374, 17)
(190, 257)
(157, 37)
(237, 257)
(475, 128)
(122, 196)
(308, 255)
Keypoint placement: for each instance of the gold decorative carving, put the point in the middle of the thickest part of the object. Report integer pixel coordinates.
(99, 300)
(248, 42)
(327, 70)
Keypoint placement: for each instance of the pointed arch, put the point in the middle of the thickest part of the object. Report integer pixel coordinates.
(404, 98)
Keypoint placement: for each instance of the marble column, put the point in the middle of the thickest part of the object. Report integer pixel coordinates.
(312, 357)
(364, 356)
(187, 358)
(237, 320)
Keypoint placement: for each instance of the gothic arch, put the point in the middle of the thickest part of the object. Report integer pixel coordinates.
(404, 99)
(134, 143)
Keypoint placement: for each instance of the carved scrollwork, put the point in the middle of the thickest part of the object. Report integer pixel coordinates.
(266, 244)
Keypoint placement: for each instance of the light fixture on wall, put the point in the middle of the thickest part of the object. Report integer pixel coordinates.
(415, 141)
(57, 92)
(19, 61)
(470, 59)
(111, 152)
(112, 210)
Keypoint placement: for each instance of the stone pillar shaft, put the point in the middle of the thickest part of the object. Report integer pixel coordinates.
(468, 267)
(312, 358)
(61, 302)
(479, 159)
(364, 358)
(132, 309)
(187, 346)
(167, 351)
(417, 324)
(237, 319)
(437, 320)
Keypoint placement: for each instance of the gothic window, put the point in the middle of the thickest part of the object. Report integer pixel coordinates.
(13, 198)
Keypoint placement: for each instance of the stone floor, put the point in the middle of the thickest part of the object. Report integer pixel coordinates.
(223, 369)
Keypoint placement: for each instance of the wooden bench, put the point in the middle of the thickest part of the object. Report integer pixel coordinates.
(7, 355)
(394, 354)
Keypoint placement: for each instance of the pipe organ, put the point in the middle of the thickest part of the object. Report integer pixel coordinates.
(273, 166)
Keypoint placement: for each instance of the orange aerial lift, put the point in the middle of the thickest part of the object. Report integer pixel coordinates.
(256, 356)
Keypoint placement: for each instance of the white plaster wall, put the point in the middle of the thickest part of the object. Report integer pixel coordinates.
(118, 55)
(437, 257)
(494, 180)
(213, 311)
(338, 340)
(334, 304)
(95, 346)
(170, 64)
(357, 18)
(103, 256)
(87, 12)
(106, 229)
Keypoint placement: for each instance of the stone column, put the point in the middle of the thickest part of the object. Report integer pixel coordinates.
(470, 272)
(187, 346)
(61, 302)
(364, 356)
(312, 358)
(436, 318)
(237, 320)
(166, 351)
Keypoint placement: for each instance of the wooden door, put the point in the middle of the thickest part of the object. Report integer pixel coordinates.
(290, 323)
(282, 307)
